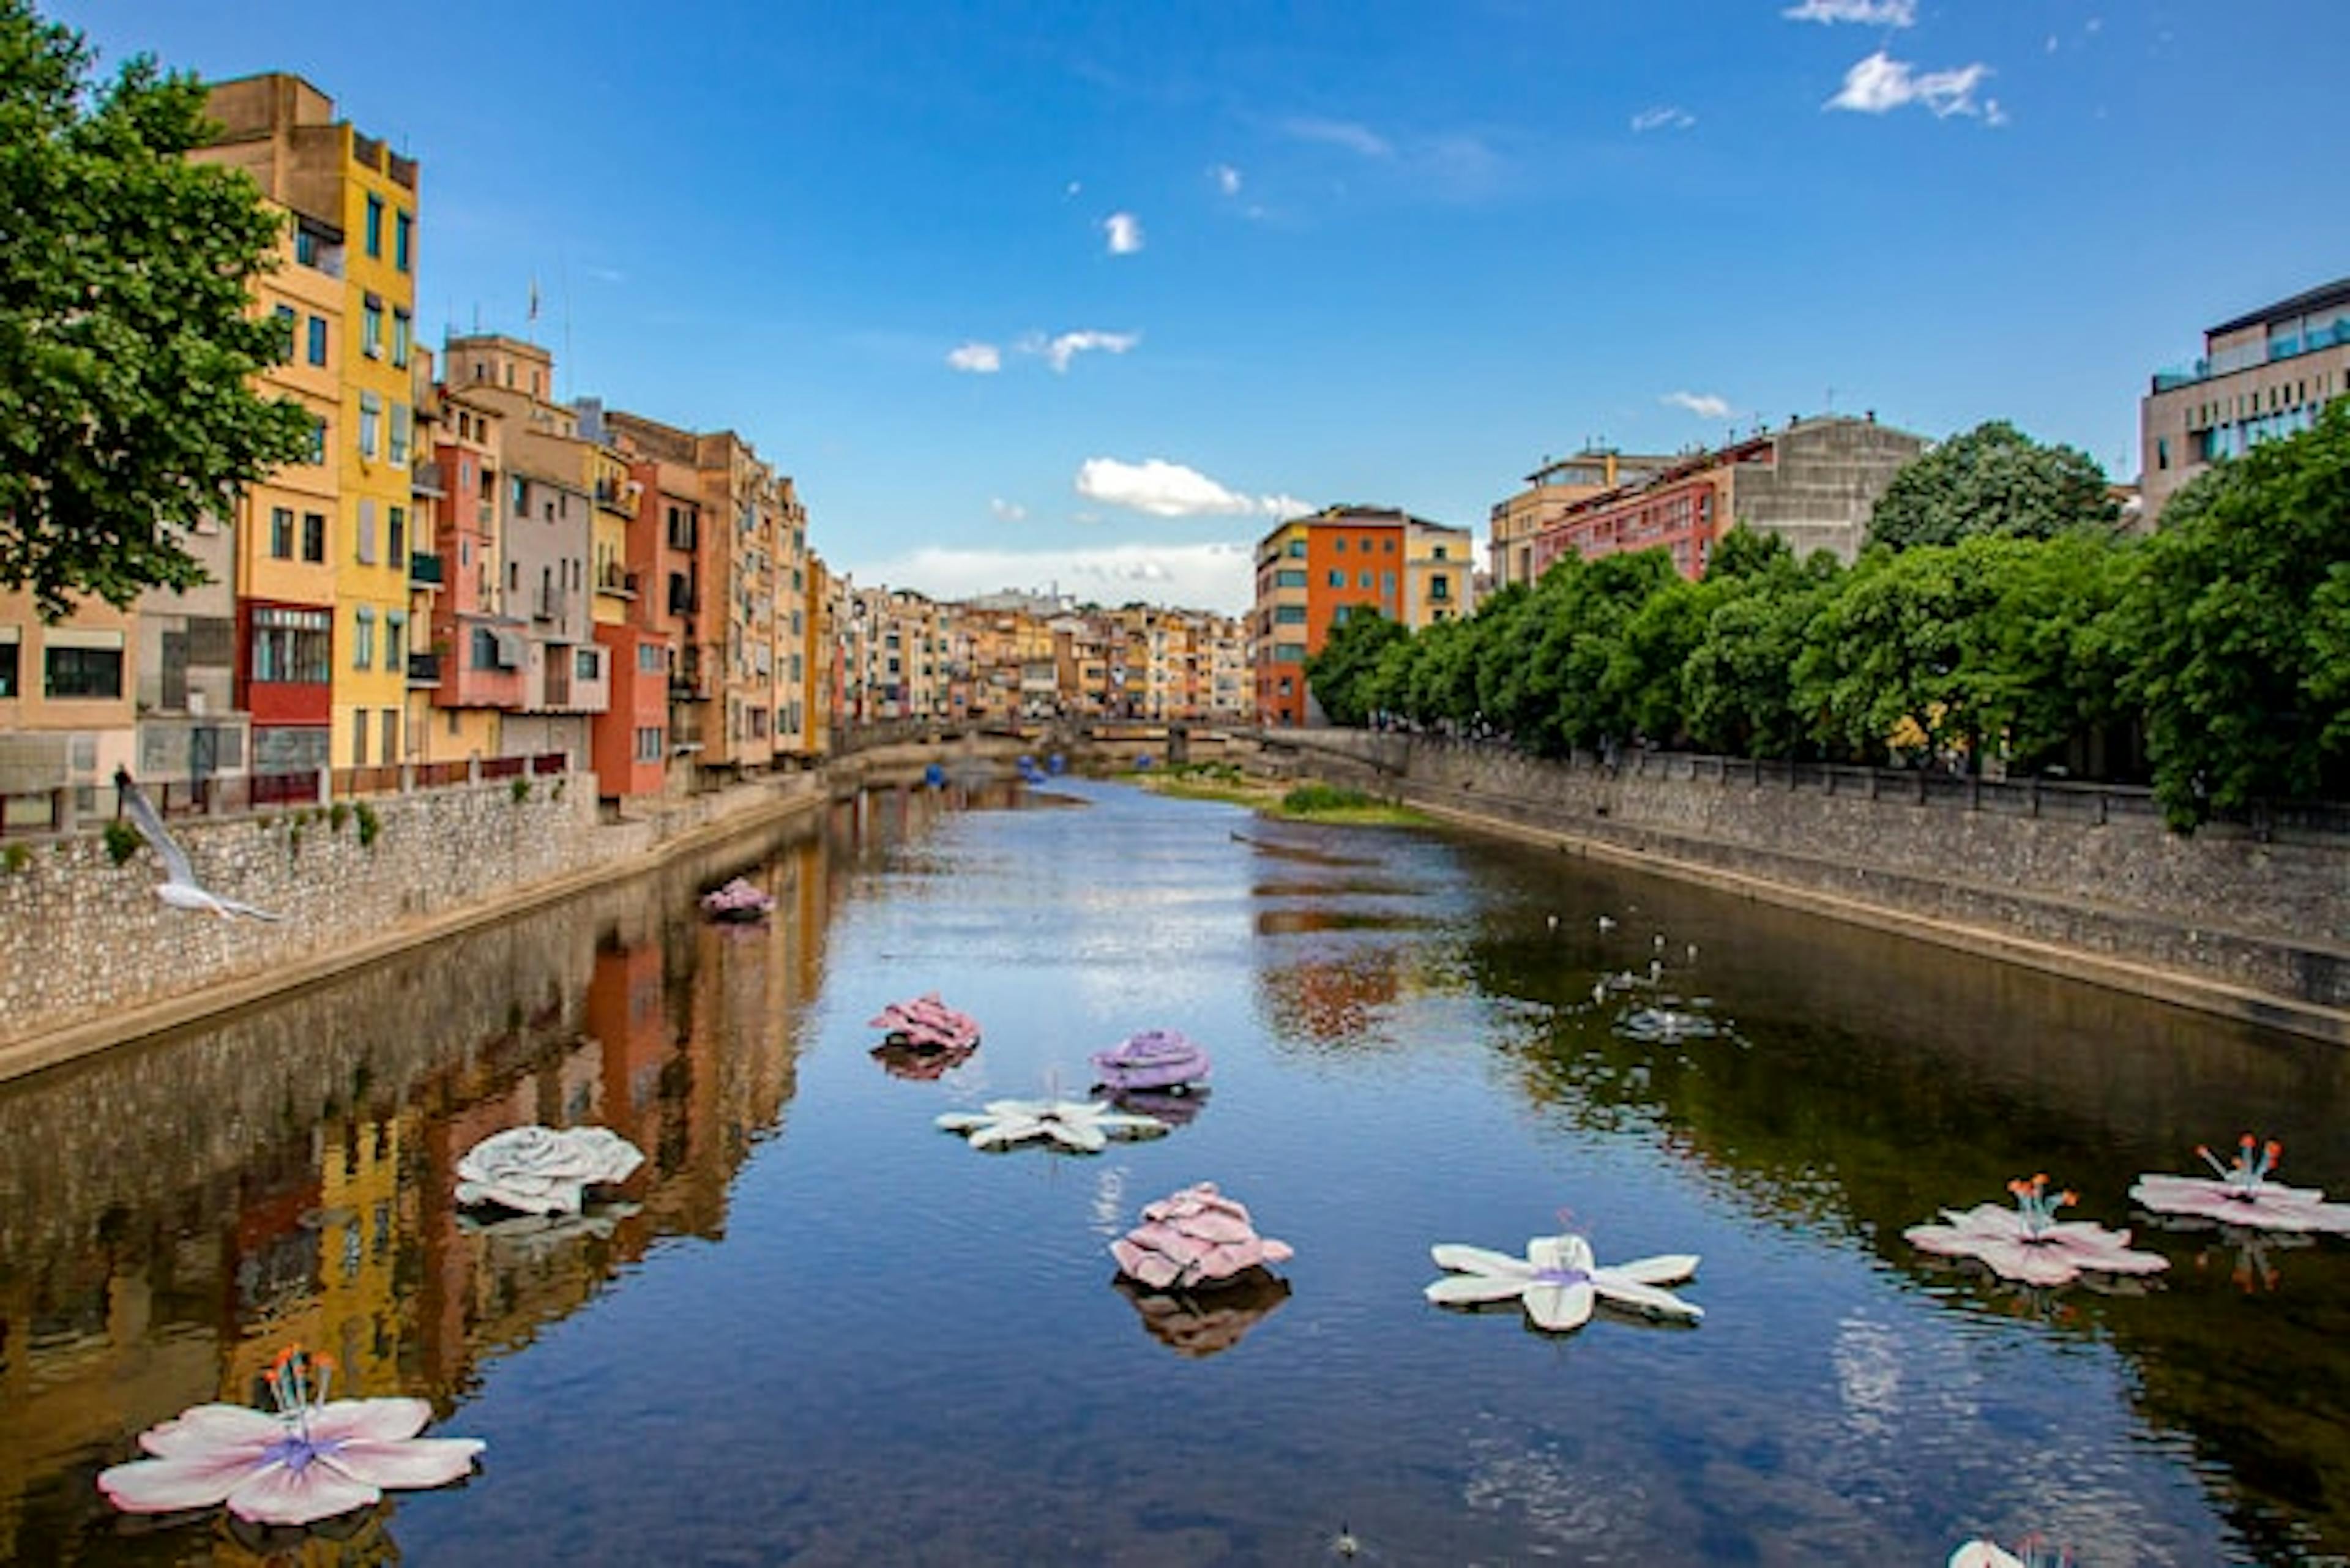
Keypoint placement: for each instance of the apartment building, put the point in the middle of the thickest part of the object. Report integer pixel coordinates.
(1551, 489)
(1314, 573)
(475, 655)
(2263, 374)
(1813, 484)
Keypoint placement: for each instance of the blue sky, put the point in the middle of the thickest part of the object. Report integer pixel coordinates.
(1033, 293)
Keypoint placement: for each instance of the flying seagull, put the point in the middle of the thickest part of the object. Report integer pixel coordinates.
(178, 886)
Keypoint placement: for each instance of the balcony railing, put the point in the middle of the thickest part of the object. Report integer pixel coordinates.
(423, 566)
(612, 580)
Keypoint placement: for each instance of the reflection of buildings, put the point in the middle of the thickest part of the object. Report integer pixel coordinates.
(288, 1177)
(1332, 1000)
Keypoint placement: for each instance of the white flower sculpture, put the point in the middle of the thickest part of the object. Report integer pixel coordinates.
(2028, 1242)
(309, 1460)
(2242, 1194)
(1086, 1127)
(539, 1170)
(1559, 1281)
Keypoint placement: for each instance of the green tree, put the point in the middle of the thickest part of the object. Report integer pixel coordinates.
(1992, 479)
(1739, 680)
(127, 348)
(1340, 674)
(2237, 627)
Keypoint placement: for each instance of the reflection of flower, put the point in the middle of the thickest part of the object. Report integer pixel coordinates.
(539, 1170)
(1667, 1026)
(1209, 1322)
(1194, 1239)
(2242, 1194)
(1072, 1124)
(311, 1459)
(2028, 1242)
(919, 1063)
(1559, 1282)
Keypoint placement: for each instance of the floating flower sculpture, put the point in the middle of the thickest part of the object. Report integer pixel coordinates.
(1086, 1127)
(740, 901)
(2032, 1552)
(2242, 1193)
(1154, 1059)
(926, 1023)
(1559, 1282)
(2028, 1242)
(1195, 1239)
(540, 1170)
(309, 1460)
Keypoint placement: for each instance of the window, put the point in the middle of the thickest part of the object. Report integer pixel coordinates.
(395, 643)
(1340, 545)
(363, 645)
(318, 441)
(2162, 452)
(1288, 579)
(395, 548)
(370, 423)
(367, 532)
(305, 247)
(88, 672)
(372, 328)
(1337, 577)
(1386, 585)
(318, 340)
(286, 316)
(586, 666)
(485, 649)
(1440, 552)
(403, 335)
(390, 752)
(375, 226)
(1362, 582)
(9, 679)
(358, 737)
(403, 240)
(649, 744)
(281, 533)
(314, 537)
(401, 419)
(290, 645)
(652, 656)
(1289, 615)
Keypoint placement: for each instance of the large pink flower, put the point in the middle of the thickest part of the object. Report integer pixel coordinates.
(2242, 1194)
(307, 1461)
(2028, 1242)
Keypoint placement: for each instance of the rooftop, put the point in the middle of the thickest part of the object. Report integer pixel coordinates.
(2323, 297)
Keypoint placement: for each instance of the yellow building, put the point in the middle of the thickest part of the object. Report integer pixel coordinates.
(359, 203)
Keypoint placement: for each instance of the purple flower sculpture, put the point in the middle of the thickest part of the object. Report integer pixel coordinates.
(1194, 1239)
(738, 902)
(309, 1460)
(1155, 1060)
(2028, 1242)
(2242, 1193)
(926, 1023)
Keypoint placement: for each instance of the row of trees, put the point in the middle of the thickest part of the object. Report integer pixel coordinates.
(2214, 654)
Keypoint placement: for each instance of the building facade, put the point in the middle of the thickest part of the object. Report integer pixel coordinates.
(1551, 489)
(1315, 572)
(2263, 374)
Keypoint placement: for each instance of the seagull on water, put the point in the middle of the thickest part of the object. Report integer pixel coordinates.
(1607, 924)
(178, 886)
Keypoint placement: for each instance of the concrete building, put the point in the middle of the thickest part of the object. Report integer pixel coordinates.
(2265, 373)
(1313, 573)
(1550, 491)
(356, 202)
(1812, 484)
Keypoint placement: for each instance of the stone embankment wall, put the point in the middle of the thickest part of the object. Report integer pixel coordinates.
(2237, 918)
(83, 941)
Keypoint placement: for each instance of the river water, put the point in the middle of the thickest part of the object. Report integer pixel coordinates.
(820, 1331)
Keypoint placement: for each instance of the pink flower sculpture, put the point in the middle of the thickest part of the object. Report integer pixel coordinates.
(2028, 1242)
(310, 1460)
(740, 901)
(1196, 1239)
(1156, 1059)
(2242, 1193)
(927, 1024)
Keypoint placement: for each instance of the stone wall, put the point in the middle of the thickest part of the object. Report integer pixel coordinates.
(2225, 904)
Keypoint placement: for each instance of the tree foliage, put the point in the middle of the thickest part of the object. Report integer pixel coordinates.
(1995, 479)
(127, 348)
(1341, 674)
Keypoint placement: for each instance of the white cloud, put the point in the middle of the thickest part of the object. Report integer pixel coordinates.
(1197, 576)
(1058, 351)
(1166, 489)
(978, 359)
(1872, 13)
(1663, 117)
(1343, 133)
(1227, 179)
(1881, 83)
(1125, 231)
(1007, 511)
(1704, 405)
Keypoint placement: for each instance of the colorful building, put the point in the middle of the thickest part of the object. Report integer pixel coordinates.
(1315, 572)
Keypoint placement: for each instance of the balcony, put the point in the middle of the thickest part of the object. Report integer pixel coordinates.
(424, 479)
(424, 670)
(423, 566)
(689, 678)
(618, 584)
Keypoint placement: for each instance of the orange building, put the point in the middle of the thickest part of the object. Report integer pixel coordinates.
(1314, 573)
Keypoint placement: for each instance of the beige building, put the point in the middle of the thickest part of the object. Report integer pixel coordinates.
(2263, 374)
(1550, 491)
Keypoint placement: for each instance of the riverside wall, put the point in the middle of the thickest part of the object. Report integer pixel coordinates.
(2227, 919)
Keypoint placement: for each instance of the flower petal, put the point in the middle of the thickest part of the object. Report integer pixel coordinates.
(206, 1432)
(166, 1486)
(1005, 1131)
(1470, 1290)
(1081, 1136)
(277, 1494)
(1559, 1253)
(371, 1420)
(409, 1462)
(1630, 1294)
(1560, 1307)
(1481, 1261)
(1665, 1268)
